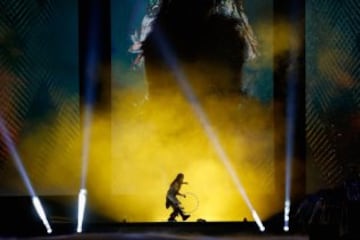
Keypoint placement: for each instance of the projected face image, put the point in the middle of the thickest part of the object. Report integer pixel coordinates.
(192, 93)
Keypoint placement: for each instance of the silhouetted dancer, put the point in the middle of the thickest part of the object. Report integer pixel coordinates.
(173, 202)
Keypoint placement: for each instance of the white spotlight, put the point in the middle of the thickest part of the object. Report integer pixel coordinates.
(258, 221)
(40, 211)
(81, 209)
(286, 215)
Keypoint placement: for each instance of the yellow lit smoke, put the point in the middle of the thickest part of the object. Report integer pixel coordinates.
(131, 167)
(154, 140)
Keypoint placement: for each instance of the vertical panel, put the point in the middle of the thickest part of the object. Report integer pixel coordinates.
(332, 92)
(39, 93)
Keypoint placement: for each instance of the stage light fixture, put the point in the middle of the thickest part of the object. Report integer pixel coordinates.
(257, 220)
(40, 211)
(286, 215)
(81, 209)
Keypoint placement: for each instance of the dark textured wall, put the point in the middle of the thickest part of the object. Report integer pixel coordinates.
(39, 89)
(332, 91)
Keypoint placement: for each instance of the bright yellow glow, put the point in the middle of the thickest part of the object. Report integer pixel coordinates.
(150, 143)
(154, 140)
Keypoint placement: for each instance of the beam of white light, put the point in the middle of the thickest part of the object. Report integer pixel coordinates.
(290, 140)
(15, 156)
(91, 75)
(289, 156)
(86, 143)
(81, 209)
(257, 220)
(88, 115)
(87, 123)
(286, 216)
(195, 104)
(40, 211)
(291, 102)
(21, 169)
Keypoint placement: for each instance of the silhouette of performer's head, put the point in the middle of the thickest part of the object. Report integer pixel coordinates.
(180, 177)
(201, 38)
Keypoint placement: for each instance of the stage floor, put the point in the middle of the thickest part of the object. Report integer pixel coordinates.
(154, 230)
(161, 236)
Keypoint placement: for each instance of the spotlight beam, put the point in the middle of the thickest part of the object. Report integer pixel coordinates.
(294, 95)
(91, 60)
(40, 211)
(90, 74)
(81, 209)
(290, 138)
(181, 79)
(86, 144)
(21, 169)
(84, 170)
(15, 156)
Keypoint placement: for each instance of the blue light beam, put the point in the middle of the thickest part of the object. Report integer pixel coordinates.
(290, 141)
(23, 174)
(91, 73)
(291, 103)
